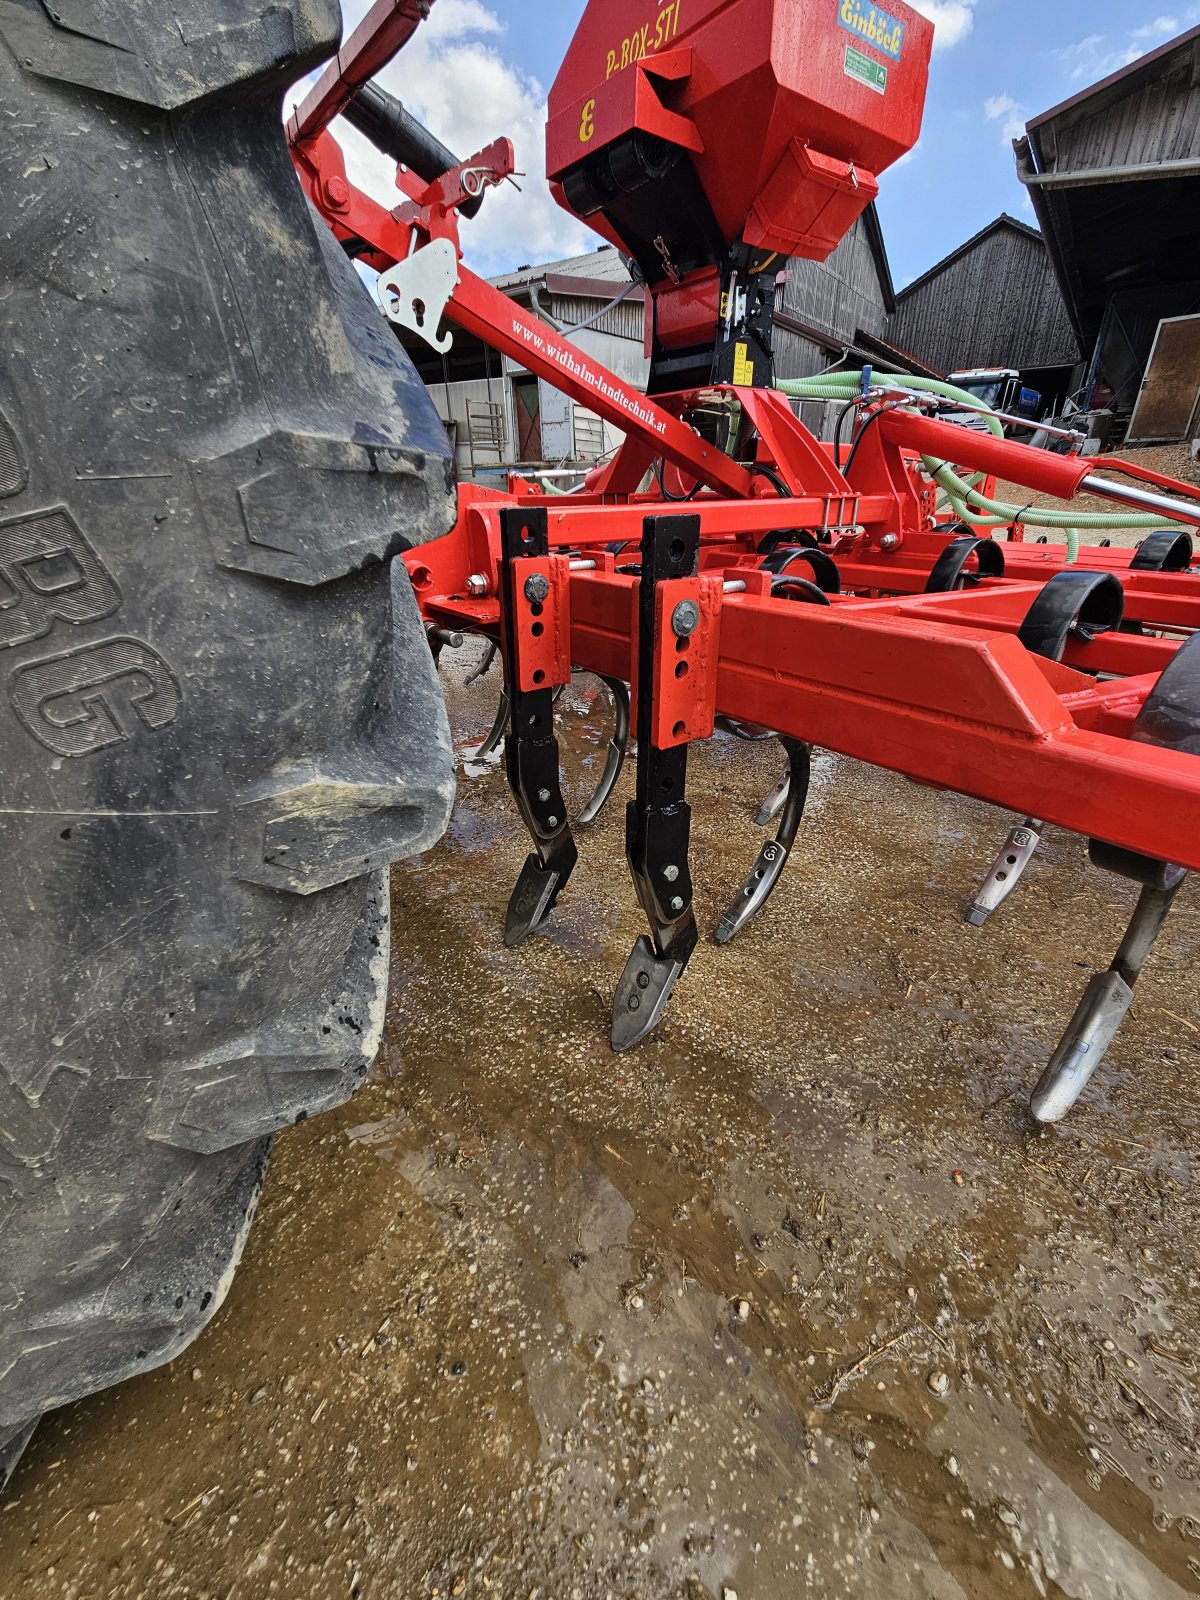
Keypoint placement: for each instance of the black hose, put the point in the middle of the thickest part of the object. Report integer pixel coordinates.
(392, 129)
(862, 434)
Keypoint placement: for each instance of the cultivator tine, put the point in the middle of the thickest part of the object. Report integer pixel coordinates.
(1017, 852)
(1108, 997)
(773, 857)
(1074, 604)
(618, 749)
(485, 666)
(529, 597)
(1170, 718)
(775, 802)
(658, 818)
(492, 743)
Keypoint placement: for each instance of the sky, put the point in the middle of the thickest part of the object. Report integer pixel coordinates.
(481, 68)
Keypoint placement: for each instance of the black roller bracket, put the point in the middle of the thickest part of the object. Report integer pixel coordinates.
(531, 749)
(823, 568)
(951, 571)
(1170, 719)
(1166, 550)
(788, 586)
(658, 819)
(773, 857)
(1081, 603)
(770, 542)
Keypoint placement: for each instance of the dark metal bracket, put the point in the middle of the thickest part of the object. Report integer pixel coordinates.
(531, 749)
(658, 819)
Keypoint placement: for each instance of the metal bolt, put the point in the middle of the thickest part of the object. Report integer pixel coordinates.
(337, 192)
(477, 585)
(889, 541)
(552, 822)
(635, 1002)
(536, 588)
(677, 904)
(685, 619)
(670, 873)
(643, 980)
(543, 794)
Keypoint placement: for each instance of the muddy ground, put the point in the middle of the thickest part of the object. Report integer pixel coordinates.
(794, 1300)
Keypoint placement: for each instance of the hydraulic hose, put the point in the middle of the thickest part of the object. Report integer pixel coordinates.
(971, 507)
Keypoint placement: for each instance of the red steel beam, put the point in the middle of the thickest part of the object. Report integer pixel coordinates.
(947, 705)
(385, 29)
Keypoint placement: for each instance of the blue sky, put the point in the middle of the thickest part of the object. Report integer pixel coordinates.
(480, 68)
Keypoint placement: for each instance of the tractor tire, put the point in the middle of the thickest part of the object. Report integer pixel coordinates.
(219, 717)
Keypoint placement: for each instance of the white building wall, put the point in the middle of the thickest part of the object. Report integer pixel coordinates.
(621, 355)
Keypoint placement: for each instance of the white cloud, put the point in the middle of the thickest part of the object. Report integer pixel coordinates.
(1002, 108)
(952, 20)
(1100, 54)
(455, 77)
(1160, 28)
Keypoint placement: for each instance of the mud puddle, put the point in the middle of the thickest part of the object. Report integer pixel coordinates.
(793, 1300)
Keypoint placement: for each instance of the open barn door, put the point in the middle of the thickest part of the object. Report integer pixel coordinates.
(1170, 394)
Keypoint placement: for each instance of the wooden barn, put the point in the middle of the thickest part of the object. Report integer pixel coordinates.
(839, 308)
(993, 302)
(1114, 174)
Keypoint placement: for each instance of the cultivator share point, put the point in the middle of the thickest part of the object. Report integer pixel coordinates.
(853, 597)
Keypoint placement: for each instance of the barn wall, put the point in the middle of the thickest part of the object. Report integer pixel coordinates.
(999, 304)
(1158, 121)
(840, 295)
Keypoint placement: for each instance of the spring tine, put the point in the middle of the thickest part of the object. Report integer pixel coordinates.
(618, 749)
(1169, 719)
(492, 743)
(773, 857)
(1105, 1004)
(1017, 852)
(775, 801)
(485, 666)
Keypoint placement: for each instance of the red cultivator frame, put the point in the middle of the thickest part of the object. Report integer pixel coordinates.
(823, 602)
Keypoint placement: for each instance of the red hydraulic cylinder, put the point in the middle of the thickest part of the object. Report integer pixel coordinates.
(983, 452)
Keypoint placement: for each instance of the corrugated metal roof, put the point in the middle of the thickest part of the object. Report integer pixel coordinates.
(604, 264)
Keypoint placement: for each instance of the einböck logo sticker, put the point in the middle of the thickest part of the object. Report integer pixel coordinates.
(874, 25)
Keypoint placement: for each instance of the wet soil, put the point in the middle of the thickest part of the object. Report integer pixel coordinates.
(792, 1300)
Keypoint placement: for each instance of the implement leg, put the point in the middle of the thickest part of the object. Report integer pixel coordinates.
(1019, 850)
(1106, 1002)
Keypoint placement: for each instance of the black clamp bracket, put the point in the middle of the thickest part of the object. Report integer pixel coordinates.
(531, 749)
(658, 819)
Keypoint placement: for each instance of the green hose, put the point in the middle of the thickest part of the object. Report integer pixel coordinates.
(961, 492)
